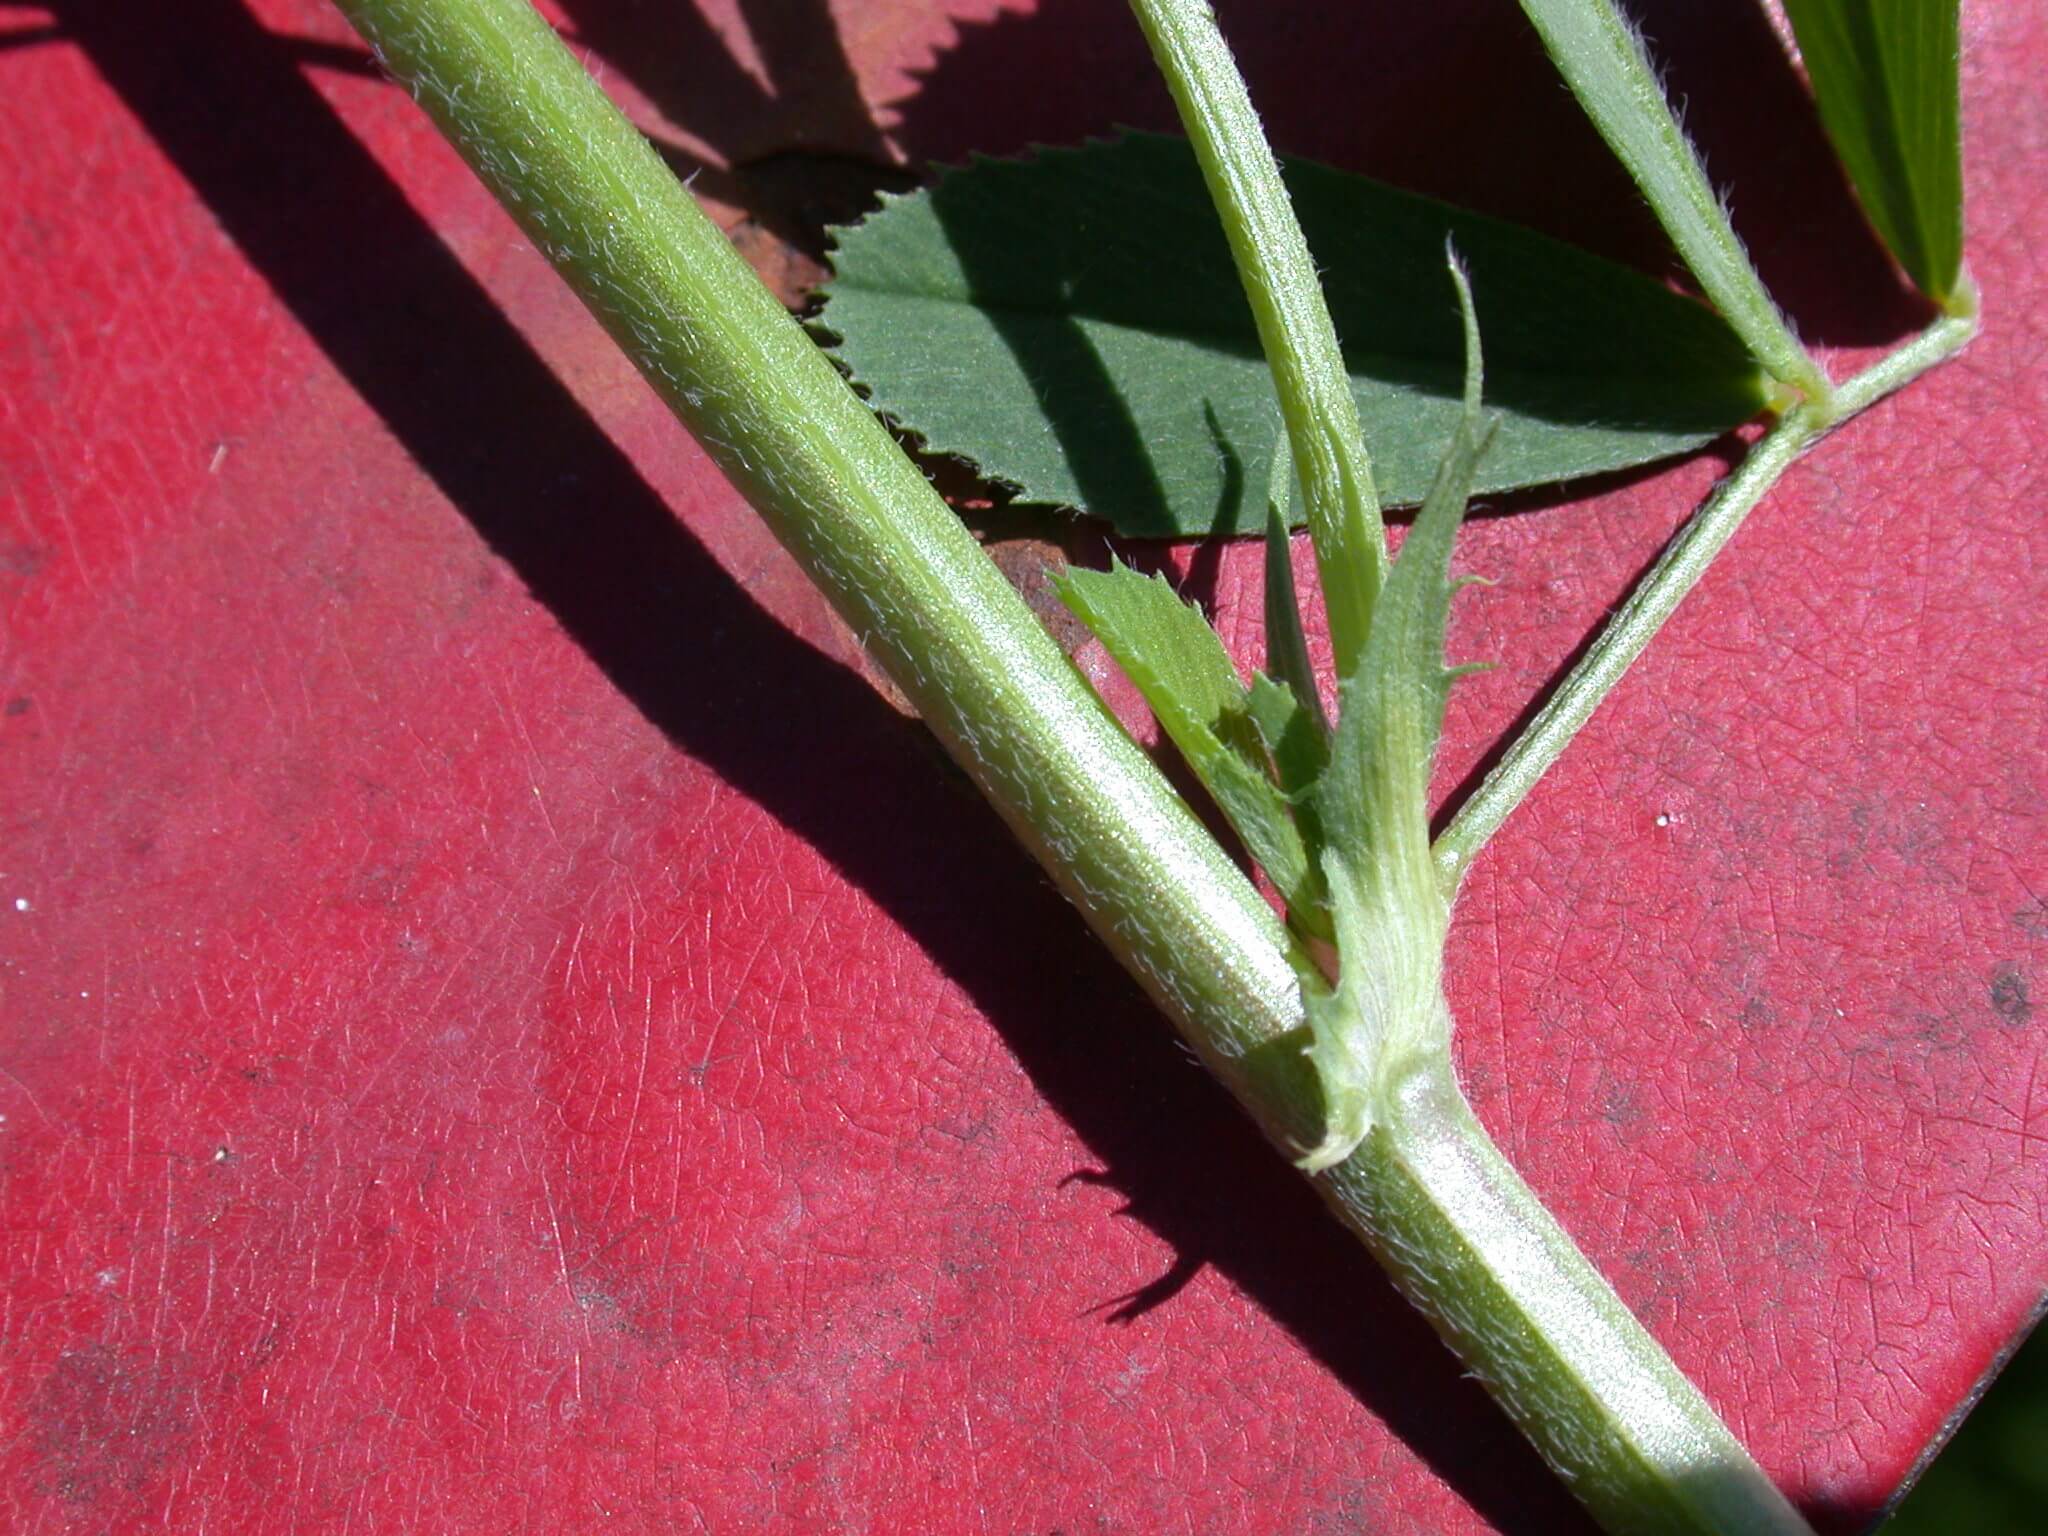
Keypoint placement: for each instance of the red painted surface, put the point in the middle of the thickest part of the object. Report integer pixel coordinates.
(503, 1028)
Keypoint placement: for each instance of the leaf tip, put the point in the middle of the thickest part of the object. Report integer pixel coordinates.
(1468, 314)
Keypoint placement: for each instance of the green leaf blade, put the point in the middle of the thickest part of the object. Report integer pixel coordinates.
(1168, 649)
(1074, 326)
(1286, 643)
(1292, 733)
(1884, 74)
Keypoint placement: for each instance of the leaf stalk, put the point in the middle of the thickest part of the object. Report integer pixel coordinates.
(1677, 571)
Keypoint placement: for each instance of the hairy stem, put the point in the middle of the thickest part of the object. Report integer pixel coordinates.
(1623, 639)
(1470, 1244)
(1461, 1232)
(1896, 369)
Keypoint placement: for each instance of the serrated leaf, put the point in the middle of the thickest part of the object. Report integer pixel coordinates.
(1168, 649)
(1884, 74)
(1073, 325)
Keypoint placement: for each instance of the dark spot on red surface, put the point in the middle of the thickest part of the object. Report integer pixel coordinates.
(19, 705)
(1621, 1106)
(380, 885)
(101, 1424)
(2009, 998)
(1940, 1032)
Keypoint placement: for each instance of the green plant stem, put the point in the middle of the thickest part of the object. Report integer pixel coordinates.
(1900, 367)
(1288, 307)
(1602, 59)
(892, 557)
(1472, 1247)
(1621, 641)
(1675, 574)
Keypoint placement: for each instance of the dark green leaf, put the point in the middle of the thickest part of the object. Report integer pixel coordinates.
(1168, 649)
(1884, 73)
(1298, 742)
(1286, 645)
(1073, 324)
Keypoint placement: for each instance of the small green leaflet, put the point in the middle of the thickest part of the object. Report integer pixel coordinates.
(1074, 326)
(1286, 645)
(1168, 649)
(1884, 73)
